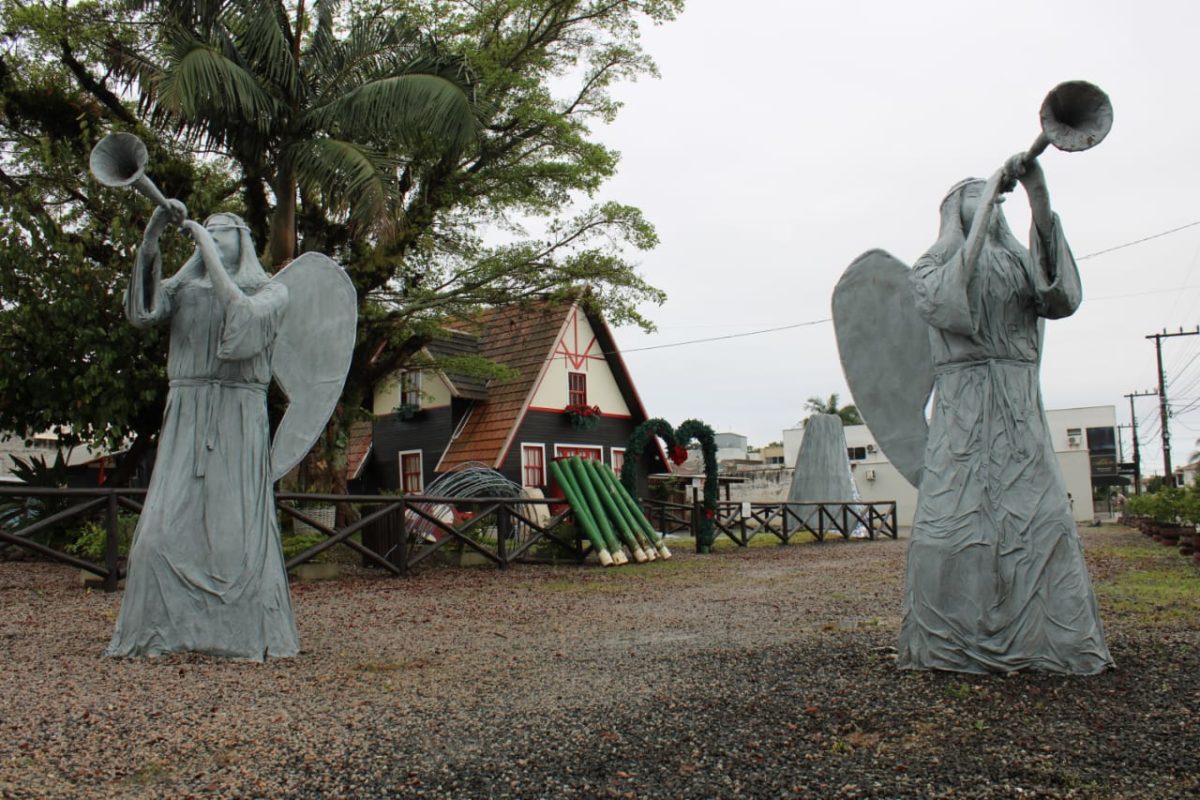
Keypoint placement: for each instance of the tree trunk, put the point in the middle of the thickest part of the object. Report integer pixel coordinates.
(283, 220)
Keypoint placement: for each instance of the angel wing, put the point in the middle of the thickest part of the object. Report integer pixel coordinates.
(311, 354)
(884, 347)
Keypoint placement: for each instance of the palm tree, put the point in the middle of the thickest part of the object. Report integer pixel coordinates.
(816, 405)
(321, 108)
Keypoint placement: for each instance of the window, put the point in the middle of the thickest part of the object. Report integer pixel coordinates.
(410, 389)
(618, 459)
(412, 474)
(576, 389)
(533, 465)
(568, 450)
(857, 453)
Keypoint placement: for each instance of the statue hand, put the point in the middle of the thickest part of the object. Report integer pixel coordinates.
(176, 210)
(1012, 170)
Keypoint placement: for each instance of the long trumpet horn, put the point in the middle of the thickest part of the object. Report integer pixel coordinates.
(1076, 115)
(119, 159)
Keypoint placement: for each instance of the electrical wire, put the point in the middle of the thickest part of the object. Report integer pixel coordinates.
(1138, 241)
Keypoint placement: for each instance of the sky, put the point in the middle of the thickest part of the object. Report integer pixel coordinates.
(783, 139)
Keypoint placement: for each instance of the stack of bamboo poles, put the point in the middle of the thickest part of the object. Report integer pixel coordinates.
(609, 517)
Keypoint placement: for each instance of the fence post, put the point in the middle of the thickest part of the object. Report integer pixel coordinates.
(111, 552)
(401, 528)
(503, 531)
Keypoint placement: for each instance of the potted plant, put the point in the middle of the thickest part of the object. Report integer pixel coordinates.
(582, 416)
(1137, 512)
(1168, 515)
(1190, 518)
(407, 410)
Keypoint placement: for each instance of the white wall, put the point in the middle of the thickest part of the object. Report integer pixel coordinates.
(579, 351)
(889, 484)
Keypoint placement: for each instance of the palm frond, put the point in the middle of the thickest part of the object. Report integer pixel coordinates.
(260, 34)
(412, 109)
(348, 178)
(202, 83)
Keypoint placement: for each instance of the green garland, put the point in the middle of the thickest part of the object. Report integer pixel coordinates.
(691, 429)
(695, 429)
(635, 449)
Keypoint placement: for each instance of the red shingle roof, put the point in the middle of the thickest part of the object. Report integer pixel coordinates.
(520, 337)
(358, 449)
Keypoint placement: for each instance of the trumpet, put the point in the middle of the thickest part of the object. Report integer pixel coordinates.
(1075, 116)
(119, 159)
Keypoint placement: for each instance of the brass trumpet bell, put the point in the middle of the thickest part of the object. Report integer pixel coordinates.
(1076, 115)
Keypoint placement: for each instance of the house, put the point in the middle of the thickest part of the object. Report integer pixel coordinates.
(1084, 441)
(430, 421)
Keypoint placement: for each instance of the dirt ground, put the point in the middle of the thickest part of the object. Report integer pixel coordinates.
(765, 672)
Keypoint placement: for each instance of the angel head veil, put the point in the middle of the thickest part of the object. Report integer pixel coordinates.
(249, 273)
(952, 234)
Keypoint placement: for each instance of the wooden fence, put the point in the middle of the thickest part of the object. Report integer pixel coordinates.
(500, 530)
(741, 522)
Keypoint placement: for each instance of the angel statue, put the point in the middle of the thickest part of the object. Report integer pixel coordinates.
(996, 580)
(206, 571)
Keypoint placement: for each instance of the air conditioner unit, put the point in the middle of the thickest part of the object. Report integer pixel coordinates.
(1073, 441)
(869, 474)
(870, 448)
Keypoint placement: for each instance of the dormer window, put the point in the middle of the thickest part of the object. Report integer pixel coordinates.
(410, 389)
(577, 389)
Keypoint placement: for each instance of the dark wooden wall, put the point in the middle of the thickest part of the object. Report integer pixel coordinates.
(428, 431)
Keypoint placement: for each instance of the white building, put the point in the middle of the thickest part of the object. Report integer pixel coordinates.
(730, 446)
(1084, 440)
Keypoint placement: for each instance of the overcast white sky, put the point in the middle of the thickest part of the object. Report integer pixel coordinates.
(785, 138)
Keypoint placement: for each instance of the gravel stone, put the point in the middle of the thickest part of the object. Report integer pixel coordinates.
(759, 673)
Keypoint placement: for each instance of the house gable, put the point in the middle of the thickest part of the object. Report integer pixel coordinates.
(580, 351)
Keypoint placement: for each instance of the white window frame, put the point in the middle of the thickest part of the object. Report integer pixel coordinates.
(400, 466)
(545, 466)
(612, 461)
(600, 447)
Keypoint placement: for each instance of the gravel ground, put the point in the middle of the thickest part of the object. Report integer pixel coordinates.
(758, 673)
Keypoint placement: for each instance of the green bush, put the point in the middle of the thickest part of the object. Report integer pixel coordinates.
(89, 540)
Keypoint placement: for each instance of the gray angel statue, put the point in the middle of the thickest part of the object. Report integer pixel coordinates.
(206, 570)
(996, 580)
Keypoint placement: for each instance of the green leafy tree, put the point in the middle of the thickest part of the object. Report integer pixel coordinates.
(71, 362)
(441, 151)
(849, 414)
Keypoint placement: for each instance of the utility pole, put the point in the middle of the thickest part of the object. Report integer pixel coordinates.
(1163, 409)
(1137, 457)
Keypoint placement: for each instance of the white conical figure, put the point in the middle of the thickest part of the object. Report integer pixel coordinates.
(822, 468)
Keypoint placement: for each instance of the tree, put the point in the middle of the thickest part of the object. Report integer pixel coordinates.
(66, 244)
(313, 106)
(816, 405)
(407, 215)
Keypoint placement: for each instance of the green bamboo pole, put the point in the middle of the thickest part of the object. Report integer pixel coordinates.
(624, 525)
(582, 514)
(588, 492)
(638, 516)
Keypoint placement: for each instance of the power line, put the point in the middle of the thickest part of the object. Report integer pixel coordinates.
(730, 336)
(1138, 241)
(810, 323)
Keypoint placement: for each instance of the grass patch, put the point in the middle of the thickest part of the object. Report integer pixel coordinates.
(1165, 596)
(1141, 581)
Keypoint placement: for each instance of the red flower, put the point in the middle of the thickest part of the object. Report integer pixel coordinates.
(709, 513)
(679, 454)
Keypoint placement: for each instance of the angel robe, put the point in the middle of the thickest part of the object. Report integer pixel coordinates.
(996, 579)
(206, 571)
